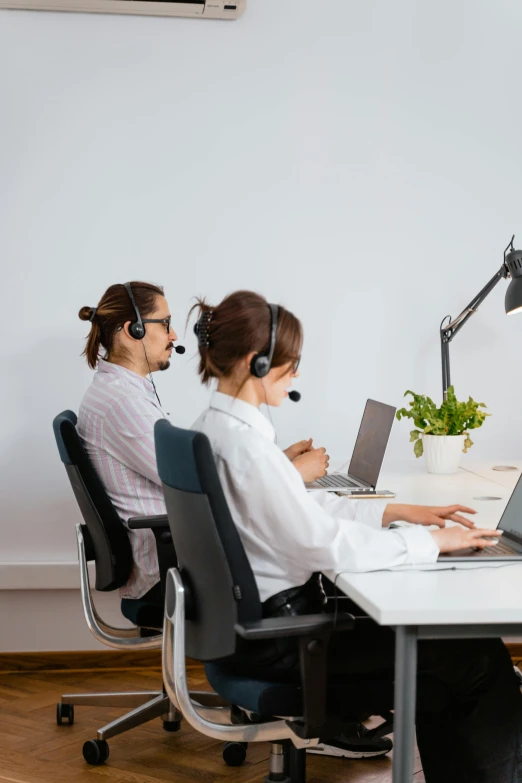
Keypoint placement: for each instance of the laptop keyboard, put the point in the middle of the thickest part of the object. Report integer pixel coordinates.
(499, 549)
(335, 480)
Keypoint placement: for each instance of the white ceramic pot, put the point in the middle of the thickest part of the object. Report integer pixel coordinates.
(443, 452)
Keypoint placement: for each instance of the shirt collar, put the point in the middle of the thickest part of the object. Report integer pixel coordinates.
(116, 370)
(243, 411)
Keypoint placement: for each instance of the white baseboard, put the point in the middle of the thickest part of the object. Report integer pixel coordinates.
(41, 607)
(47, 620)
(58, 575)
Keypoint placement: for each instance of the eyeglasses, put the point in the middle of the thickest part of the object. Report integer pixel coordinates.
(164, 321)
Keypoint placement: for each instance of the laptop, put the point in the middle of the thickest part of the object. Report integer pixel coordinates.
(509, 546)
(368, 454)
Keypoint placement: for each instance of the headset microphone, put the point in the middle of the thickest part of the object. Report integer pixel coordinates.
(294, 396)
(179, 348)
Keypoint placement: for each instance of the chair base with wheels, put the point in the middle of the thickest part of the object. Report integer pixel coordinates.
(148, 705)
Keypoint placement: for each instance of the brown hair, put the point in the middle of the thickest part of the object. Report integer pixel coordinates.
(115, 309)
(240, 325)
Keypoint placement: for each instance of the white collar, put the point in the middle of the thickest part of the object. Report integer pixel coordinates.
(243, 411)
(110, 368)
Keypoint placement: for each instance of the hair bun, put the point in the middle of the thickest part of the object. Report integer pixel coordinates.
(86, 313)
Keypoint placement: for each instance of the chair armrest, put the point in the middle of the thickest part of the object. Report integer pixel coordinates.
(165, 548)
(152, 523)
(300, 625)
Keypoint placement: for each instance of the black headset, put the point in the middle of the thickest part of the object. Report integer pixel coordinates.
(262, 362)
(136, 328)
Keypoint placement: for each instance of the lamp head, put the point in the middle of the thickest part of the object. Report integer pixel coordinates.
(513, 261)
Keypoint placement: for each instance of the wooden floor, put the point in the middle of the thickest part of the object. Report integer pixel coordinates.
(33, 749)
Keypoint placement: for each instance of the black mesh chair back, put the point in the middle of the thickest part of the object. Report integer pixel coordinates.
(107, 541)
(224, 592)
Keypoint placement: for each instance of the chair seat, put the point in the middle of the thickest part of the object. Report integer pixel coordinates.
(259, 696)
(371, 692)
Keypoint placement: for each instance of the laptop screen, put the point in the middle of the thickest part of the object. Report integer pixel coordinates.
(511, 520)
(371, 442)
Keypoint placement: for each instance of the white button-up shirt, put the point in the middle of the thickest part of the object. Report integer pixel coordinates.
(116, 425)
(289, 533)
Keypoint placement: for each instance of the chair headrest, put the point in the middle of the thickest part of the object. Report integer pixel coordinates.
(176, 452)
(64, 426)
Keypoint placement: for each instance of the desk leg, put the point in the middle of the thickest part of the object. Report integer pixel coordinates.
(405, 696)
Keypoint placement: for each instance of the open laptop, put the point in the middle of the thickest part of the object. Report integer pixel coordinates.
(368, 453)
(509, 546)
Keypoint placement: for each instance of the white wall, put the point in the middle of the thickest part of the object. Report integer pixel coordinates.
(358, 162)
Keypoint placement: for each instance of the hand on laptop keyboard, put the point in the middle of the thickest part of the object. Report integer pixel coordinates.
(451, 539)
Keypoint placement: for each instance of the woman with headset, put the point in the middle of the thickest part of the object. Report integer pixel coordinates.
(469, 709)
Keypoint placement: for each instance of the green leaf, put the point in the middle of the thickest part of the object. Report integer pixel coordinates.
(418, 449)
(414, 435)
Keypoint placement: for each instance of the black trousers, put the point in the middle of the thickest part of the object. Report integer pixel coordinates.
(469, 706)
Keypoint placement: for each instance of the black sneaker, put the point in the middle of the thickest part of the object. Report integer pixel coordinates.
(354, 746)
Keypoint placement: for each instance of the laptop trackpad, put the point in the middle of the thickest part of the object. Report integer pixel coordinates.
(469, 552)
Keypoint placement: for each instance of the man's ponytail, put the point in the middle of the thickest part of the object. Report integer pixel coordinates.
(113, 311)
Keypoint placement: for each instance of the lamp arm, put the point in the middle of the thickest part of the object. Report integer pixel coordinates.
(448, 332)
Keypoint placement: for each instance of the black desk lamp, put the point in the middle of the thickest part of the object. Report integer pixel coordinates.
(511, 267)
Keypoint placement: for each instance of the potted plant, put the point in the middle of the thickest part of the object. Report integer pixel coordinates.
(441, 434)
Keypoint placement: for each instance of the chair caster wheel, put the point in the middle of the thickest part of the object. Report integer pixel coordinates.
(171, 725)
(64, 712)
(95, 751)
(234, 753)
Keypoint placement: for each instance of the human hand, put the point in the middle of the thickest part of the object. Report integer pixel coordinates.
(451, 539)
(427, 515)
(301, 447)
(312, 464)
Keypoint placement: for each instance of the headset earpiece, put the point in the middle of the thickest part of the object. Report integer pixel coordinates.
(137, 331)
(136, 328)
(259, 366)
(262, 362)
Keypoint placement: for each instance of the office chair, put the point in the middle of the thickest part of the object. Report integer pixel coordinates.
(103, 539)
(213, 608)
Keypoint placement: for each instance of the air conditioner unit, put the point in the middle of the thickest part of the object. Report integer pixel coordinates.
(197, 9)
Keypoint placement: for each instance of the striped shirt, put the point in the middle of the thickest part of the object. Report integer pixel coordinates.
(116, 425)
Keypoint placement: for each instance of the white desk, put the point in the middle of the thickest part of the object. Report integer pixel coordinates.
(486, 470)
(438, 604)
